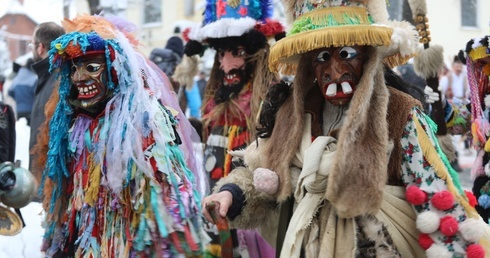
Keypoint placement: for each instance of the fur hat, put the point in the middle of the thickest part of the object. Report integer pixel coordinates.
(325, 23)
(234, 19)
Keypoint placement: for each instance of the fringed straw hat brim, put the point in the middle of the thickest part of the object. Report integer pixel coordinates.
(285, 54)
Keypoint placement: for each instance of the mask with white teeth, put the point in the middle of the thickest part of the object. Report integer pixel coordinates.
(89, 83)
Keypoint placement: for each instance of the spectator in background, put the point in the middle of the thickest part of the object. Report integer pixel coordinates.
(167, 60)
(458, 81)
(201, 84)
(44, 34)
(23, 88)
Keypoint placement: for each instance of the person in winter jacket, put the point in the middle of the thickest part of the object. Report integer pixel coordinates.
(22, 90)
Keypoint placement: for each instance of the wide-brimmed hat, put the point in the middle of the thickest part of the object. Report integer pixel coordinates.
(334, 23)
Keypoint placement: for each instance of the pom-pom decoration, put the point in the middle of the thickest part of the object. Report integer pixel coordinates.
(425, 241)
(415, 195)
(484, 201)
(449, 226)
(428, 222)
(443, 200)
(475, 251)
(471, 198)
(266, 180)
(438, 251)
(269, 27)
(472, 229)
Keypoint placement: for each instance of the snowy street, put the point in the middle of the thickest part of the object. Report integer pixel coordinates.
(28, 242)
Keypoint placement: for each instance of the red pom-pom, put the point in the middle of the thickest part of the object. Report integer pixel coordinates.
(425, 241)
(269, 27)
(185, 34)
(443, 200)
(471, 198)
(448, 226)
(415, 196)
(475, 251)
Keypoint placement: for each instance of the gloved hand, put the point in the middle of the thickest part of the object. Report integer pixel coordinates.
(430, 95)
(487, 101)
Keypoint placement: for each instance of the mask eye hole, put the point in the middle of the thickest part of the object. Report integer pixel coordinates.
(93, 67)
(73, 69)
(348, 53)
(323, 56)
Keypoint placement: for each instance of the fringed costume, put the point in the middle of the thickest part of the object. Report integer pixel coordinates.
(477, 61)
(240, 32)
(120, 178)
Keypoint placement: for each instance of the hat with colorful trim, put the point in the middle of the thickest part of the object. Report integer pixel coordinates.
(334, 23)
(478, 50)
(234, 19)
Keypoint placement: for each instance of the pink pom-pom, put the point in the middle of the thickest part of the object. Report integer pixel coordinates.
(425, 241)
(475, 251)
(266, 180)
(415, 196)
(471, 198)
(448, 226)
(443, 200)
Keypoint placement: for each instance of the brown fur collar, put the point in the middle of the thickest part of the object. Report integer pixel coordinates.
(359, 173)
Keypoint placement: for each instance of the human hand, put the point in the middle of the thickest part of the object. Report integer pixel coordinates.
(430, 95)
(224, 199)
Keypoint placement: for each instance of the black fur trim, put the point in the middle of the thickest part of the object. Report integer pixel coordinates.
(462, 56)
(193, 48)
(279, 36)
(252, 41)
(276, 96)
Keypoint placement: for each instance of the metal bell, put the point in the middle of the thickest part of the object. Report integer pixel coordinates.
(24, 189)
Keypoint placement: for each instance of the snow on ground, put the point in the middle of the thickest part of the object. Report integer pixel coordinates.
(28, 242)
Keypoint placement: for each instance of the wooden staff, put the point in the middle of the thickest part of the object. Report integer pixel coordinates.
(223, 229)
(432, 59)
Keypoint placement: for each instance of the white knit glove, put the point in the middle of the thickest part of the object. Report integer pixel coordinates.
(430, 95)
(487, 101)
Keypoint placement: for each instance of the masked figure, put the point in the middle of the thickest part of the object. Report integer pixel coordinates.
(351, 164)
(120, 178)
(239, 32)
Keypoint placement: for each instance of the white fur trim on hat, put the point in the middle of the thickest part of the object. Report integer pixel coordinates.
(226, 27)
(404, 39)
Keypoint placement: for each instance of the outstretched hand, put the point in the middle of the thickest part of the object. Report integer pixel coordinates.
(224, 199)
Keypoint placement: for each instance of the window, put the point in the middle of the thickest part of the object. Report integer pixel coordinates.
(468, 13)
(152, 12)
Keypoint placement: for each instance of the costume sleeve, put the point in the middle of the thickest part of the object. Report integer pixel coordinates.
(448, 223)
(256, 202)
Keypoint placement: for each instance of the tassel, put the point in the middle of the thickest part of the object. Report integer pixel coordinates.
(92, 190)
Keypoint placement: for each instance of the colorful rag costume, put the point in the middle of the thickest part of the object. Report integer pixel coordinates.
(240, 32)
(478, 64)
(120, 178)
(359, 170)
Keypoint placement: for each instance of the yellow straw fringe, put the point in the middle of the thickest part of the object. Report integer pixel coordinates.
(92, 191)
(231, 135)
(478, 53)
(433, 158)
(284, 55)
(339, 14)
(396, 60)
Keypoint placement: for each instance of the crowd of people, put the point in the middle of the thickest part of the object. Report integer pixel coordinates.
(345, 159)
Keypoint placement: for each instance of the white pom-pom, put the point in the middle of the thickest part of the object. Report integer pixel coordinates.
(428, 222)
(438, 251)
(266, 180)
(472, 229)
